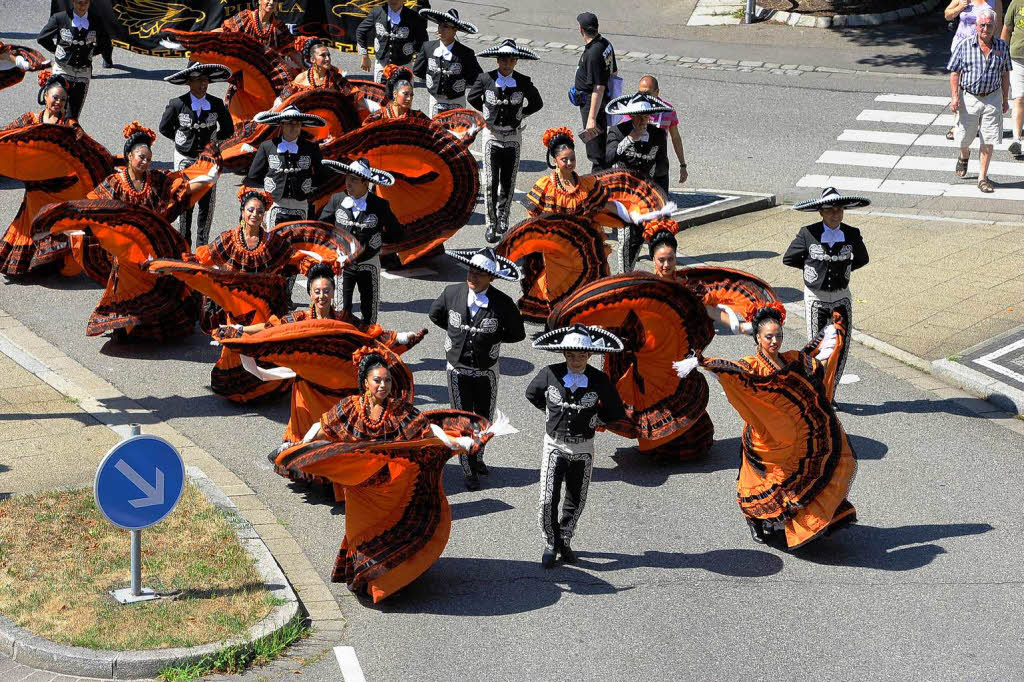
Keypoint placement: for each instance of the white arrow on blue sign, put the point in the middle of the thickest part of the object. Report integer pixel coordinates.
(139, 482)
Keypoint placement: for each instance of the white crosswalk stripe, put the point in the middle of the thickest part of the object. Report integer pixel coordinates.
(899, 147)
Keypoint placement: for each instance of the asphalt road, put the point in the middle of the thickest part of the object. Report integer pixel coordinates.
(669, 585)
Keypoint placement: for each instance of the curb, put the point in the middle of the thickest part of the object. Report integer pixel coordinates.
(26, 648)
(285, 569)
(748, 202)
(845, 20)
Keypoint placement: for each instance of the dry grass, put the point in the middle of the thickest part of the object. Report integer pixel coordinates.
(59, 558)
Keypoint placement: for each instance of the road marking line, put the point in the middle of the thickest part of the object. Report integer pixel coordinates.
(947, 120)
(932, 189)
(925, 163)
(886, 116)
(986, 361)
(907, 139)
(913, 99)
(349, 664)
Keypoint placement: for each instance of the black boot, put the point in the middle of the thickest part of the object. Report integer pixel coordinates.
(547, 559)
(565, 551)
(472, 483)
(480, 468)
(491, 235)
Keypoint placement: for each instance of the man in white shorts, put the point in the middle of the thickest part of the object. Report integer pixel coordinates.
(979, 84)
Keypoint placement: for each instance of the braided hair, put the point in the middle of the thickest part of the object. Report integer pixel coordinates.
(318, 271)
(367, 364)
(557, 140)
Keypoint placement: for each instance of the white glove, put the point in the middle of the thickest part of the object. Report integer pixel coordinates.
(684, 367)
(272, 374)
(500, 425)
(209, 177)
(734, 320)
(247, 148)
(828, 344)
(460, 443)
(342, 259)
(22, 63)
(621, 211)
(635, 217)
(747, 328)
(171, 45)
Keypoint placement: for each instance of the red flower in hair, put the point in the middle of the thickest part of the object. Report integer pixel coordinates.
(550, 134)
(777, 306)
(361, 353)
(44, 76)
(136, 127)
(653, 227)
(265, 197)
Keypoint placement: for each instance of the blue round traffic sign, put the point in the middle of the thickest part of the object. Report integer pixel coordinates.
(139, 482)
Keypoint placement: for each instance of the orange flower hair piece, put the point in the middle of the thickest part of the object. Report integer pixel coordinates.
(393, 69)
(550, 134)
(44, 76)
(777, 306)
(136, 127)
(265, 197)
(363, 352)
(653, 227)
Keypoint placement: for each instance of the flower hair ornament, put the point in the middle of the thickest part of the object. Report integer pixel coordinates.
(777, 306)
(136, 134)
(246, 193)
(365, 352)
(551, 134)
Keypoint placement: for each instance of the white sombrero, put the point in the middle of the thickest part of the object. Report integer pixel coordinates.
(486, 261)
(361, 168)
(508, 48)
(579, 337)
(830, 196)
(217, 73)
(449, 17)
(289, 114)
(635, 105)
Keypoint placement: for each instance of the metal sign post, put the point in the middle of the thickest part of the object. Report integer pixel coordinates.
(139, 464)
(749, 15)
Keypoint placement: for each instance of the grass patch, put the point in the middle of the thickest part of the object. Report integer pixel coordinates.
(235, 659)
(955, 358)
(59, 558)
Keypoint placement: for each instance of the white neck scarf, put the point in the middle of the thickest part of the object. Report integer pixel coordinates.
(199, 104)
(79, 22)
(476, 300)
(505, 81)
(573, 380)
(394, 17)
(356, 205)
(832, 236)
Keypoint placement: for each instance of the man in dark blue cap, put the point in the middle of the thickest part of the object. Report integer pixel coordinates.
(596, 68)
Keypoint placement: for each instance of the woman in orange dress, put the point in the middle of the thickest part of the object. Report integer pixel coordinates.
(263, 26)
(389, 457)
(797, 464)
(398, 82)
(18, 247)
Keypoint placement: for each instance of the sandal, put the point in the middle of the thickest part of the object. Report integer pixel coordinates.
(961, 168)
(986, 186)
(949, 134)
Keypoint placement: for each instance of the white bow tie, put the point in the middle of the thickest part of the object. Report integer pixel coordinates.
(200, 104)
(832, 235)
(394, 17)
(505, 82)
(572, 380)
(478, 300)
(354, 204)
(443, 52)
(285, 146)
(79, 22)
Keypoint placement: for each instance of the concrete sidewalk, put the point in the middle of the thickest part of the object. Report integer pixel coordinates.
(52, 438)
(934, 287)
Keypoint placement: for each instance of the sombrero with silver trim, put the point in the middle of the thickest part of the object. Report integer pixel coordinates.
(580, 337)
(486, 261)
(449, 17)
(361, 168)
(217, 73)
(289, 114)
(638, 104)
(830, 196)
(508, 48)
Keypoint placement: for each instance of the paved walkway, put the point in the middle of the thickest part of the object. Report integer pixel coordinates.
(933, 287)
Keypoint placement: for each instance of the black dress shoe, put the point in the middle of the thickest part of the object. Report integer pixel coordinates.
(491, 234)
(472, 483)
(756, 533)
(481, 468)
(565, 551)
(547, 559)
(108, 63)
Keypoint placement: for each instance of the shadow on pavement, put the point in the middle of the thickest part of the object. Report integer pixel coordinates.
(193, 348)
(922, 406)
(134, 73)
(500, 477)
(468, 510)
(635, 468)
(739, 563)
(903, 548)
(176, 406)
(726, 256)
(867, 448)
(52, 280)
(419, 306)
(789, 294)
(928, 36)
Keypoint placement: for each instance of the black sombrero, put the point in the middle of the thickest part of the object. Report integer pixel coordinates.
(638, 104)
(361, 168)
(287, 115)
(486, 261)
(830, 196)
(508, 48)
(217, 73)
(579, 337)
(449, 17)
